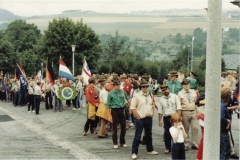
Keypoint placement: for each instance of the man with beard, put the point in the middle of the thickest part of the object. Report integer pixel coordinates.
(169, 104)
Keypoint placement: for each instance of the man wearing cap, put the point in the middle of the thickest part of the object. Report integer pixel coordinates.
(169, 104)
(187, 98)
(174, 85)
(142, 107)
(116, 101)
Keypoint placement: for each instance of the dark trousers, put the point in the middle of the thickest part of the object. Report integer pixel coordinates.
(17, 98)
(48, 100)
(37, 100)
(91, 123)
(178, 151)
(3, 96)
(167, 135)
(118, 116)
(146, 124)
(30, 102)
(224, 146)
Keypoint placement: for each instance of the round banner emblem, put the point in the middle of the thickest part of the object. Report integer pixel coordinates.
(67, 92)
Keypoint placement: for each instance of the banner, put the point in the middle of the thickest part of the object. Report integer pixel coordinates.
(86, 73)
(67, 93)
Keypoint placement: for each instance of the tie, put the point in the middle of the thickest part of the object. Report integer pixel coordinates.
(189, 96)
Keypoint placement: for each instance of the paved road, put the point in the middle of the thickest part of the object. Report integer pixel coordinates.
(59, 136)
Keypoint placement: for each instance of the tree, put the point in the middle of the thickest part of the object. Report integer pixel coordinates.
(115, 47)
(61, 34)
(8, 57)
(119, 65)
(22, 35)
(178, 38)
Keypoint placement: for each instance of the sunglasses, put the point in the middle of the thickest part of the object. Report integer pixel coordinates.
(185, 84)
(144, 86)
(164, 90)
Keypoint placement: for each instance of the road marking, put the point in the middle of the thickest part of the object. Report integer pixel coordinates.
(73, 149)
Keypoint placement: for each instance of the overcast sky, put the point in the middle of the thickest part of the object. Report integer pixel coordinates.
(43, 7)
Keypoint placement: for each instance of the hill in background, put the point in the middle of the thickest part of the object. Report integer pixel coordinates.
(6, 15)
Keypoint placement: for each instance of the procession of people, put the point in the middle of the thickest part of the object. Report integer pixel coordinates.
(113, 100)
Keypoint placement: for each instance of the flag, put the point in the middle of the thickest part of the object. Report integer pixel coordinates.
(1, 75)
(64, 71)
(49, 73)
(39, 76)
(22, 70)
(23, 81)
(67, 93)
(15, 75)
(86, 73)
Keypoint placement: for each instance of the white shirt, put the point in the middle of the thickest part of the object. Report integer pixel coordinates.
(30, 90)
(37, 90)
(173, 131)
(103, 96)
(169, 105)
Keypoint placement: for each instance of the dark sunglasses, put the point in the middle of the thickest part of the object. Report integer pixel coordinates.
(144, 86)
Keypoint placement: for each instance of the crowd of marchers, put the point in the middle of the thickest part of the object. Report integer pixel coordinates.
(120, 102)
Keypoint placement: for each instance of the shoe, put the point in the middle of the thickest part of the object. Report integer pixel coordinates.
(123, 145)
(131, 124)
(115, 146)
(195, 147)
(84, 106)
(103, 136)
(29, 112)
(153, 153)
(186, 148)
(234, 156)
(74, 109)
(84, 133)
(167, 151)
(79, 109)
(132, 127)
(127, 127)
(134, 156)
(33, 111)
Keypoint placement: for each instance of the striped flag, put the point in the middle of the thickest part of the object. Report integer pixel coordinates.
(64, 71)
(50, 73)
(86, 73)
(23, 80)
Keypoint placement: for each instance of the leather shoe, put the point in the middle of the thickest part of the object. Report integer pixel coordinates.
(234, 156)
(195, 147)
(102, 136)
(167, 151)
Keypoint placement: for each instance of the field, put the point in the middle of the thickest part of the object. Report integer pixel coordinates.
(152, 27)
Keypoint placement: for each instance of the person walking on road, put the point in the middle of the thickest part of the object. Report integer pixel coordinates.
(169, 104)
(37, 96)
(142, 107)
(116, 101)
(188, 98)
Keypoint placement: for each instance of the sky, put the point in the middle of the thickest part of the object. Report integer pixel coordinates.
(45, 7)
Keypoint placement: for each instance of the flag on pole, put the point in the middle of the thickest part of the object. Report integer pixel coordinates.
(64, 71)
(86, 73)
(3, 84)
(22, 70)
(15, 75)
(50, 73)
(23, 80)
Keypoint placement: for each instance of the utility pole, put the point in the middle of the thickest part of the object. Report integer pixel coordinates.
(211, 148)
